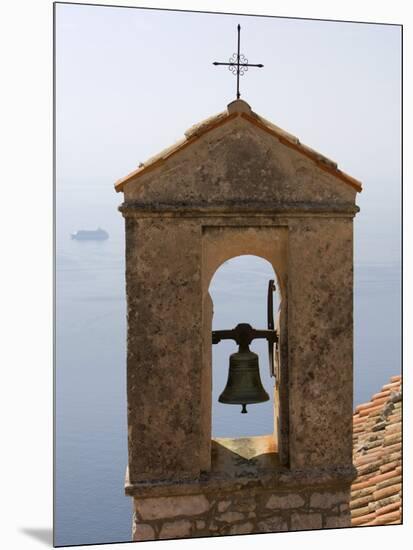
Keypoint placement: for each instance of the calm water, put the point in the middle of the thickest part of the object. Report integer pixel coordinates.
(91, 451)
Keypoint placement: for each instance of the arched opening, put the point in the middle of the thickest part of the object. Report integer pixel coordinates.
(267, 249)
(238, 290)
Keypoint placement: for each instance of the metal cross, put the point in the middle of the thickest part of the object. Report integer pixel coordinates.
(238, 63)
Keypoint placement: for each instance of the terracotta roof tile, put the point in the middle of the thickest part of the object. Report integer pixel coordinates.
(359, 493)
(389, 482)
(377, 435)
(388, 508)
(381, 394)
(370, 410)
(359, 504)
(391, 386)
(387, 491)
(374, 403)
(361, 485)
(368, 457)
(389, 466)
(392, 517)
(383, 477)
(362, 520)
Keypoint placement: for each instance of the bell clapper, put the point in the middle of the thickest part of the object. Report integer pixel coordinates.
(244, 408)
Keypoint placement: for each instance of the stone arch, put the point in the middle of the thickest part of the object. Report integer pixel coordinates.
(247, 305)
(219, 244)
(223, 243)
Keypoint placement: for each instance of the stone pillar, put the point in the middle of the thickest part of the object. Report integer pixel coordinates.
(164, 356)
(320, 333)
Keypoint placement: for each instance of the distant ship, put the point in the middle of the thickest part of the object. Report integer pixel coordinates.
(90, 235)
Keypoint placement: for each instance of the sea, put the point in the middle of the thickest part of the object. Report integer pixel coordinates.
(90, 367)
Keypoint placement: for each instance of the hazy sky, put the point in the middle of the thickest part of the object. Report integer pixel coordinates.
(129, 82)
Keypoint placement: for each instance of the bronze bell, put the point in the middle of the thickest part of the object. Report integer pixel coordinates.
(244, 384)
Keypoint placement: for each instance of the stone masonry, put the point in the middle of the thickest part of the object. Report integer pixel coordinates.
(238, 513)
(246, 491)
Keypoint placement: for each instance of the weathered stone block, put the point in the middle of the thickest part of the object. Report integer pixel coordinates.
(229, 517)
(224, 505)
(241, 528)
(328, 499)
(142, 531)
(342, 520)
(167, 507)
(272, 525)
(175, 529)
(301, 521)
(280, 502)
(247, 505)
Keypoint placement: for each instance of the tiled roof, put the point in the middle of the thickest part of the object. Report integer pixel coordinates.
(377, 436)
(238, 108)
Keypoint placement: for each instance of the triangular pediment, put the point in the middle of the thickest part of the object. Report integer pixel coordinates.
(238, 155)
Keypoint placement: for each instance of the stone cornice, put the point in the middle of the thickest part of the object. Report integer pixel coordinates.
(235, 209)
(282, 479)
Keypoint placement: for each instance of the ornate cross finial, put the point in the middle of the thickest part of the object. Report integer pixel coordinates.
(238, 63)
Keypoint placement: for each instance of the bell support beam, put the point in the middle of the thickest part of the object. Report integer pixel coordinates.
(244, 334)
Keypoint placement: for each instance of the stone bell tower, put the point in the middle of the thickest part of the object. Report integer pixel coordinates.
(237, 184)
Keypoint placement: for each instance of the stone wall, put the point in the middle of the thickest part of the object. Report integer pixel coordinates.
(169, 264)
(233, 513)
